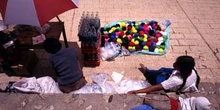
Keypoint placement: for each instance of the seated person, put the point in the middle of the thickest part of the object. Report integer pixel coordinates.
(65, 64)
(182, 78)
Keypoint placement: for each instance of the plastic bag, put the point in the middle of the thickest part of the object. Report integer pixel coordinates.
(127, 85)
(100, 78)
(104, 81)
(110, 51)
(88, 88)
(41, 85)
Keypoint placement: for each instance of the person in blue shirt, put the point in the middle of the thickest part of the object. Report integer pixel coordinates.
(65, 64)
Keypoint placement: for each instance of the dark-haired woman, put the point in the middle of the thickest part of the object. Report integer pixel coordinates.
(182, 78)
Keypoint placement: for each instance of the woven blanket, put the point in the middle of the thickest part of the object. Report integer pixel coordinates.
(138, 37)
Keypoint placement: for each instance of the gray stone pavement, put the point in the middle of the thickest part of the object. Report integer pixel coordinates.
(19, 101)
(195, 29)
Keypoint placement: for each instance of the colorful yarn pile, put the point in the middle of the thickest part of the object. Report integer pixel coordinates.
(141, 36)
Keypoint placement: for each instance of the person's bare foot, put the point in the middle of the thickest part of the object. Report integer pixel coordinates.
(143, 68)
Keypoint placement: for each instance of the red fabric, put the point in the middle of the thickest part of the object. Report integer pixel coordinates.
(3, 4)
(48, 9)
(174, 104)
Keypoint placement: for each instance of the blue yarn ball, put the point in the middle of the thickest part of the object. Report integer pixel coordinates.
(143, 43)
(112, 36)
(140, 27)
(153, 44)
(135, 35)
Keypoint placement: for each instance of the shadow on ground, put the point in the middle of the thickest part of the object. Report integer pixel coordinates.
(43, 66)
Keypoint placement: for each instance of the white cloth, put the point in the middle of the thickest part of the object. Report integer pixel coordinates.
(175, 81)
(185, 104)
(195, 103)
(41, 85)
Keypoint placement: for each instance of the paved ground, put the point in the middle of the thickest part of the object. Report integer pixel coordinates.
(195, 29)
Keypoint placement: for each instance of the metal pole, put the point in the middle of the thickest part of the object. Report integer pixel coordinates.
(64, 37)
(64, 33)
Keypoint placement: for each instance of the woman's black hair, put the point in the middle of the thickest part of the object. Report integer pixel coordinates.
(185, 65)
(52, 45)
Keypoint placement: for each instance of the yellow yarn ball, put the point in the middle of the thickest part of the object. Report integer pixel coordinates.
(119, 40)
(145, 36)
(122, 24)
(133, 30)
(133, 48)
(136, 42)
(145, 47)
(145, 39)
(132, 40)
(160, 50)
(112, 29)
(130, 47)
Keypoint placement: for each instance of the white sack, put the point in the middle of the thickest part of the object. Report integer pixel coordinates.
(41, 85)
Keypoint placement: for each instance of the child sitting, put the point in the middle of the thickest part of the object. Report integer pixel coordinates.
(65, 63)
(182, 78)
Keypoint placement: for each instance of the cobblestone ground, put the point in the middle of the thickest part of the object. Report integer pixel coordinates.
(195, 29)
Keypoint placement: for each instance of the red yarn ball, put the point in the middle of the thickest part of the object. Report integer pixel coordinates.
(157, 35)
(129, 27)
(148, 44)
(121, 34)
(131, 44)
(141, 33)
(150, 38)
(106, 35)
(156, 40)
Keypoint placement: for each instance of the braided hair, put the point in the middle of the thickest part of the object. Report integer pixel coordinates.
(185, 65)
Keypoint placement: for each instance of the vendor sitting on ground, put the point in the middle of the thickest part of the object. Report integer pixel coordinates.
(65, 63)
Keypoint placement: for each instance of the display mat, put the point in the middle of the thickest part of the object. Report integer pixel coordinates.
(139, 37)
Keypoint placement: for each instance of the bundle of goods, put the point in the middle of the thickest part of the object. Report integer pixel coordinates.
(88, 27)
(90, 38)
(138, 37)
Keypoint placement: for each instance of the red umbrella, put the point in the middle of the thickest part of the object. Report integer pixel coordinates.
(33, 12)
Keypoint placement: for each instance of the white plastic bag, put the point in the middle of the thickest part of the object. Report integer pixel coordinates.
(100, 78)
(127, 85)
(88, 88)
(103, 80)
(103, 83)
(110, 51)
(41, 85)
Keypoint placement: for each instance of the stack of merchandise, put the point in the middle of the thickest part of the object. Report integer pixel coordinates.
(90, 39)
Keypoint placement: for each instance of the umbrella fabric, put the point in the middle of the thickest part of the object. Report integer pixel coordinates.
(33, 12)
